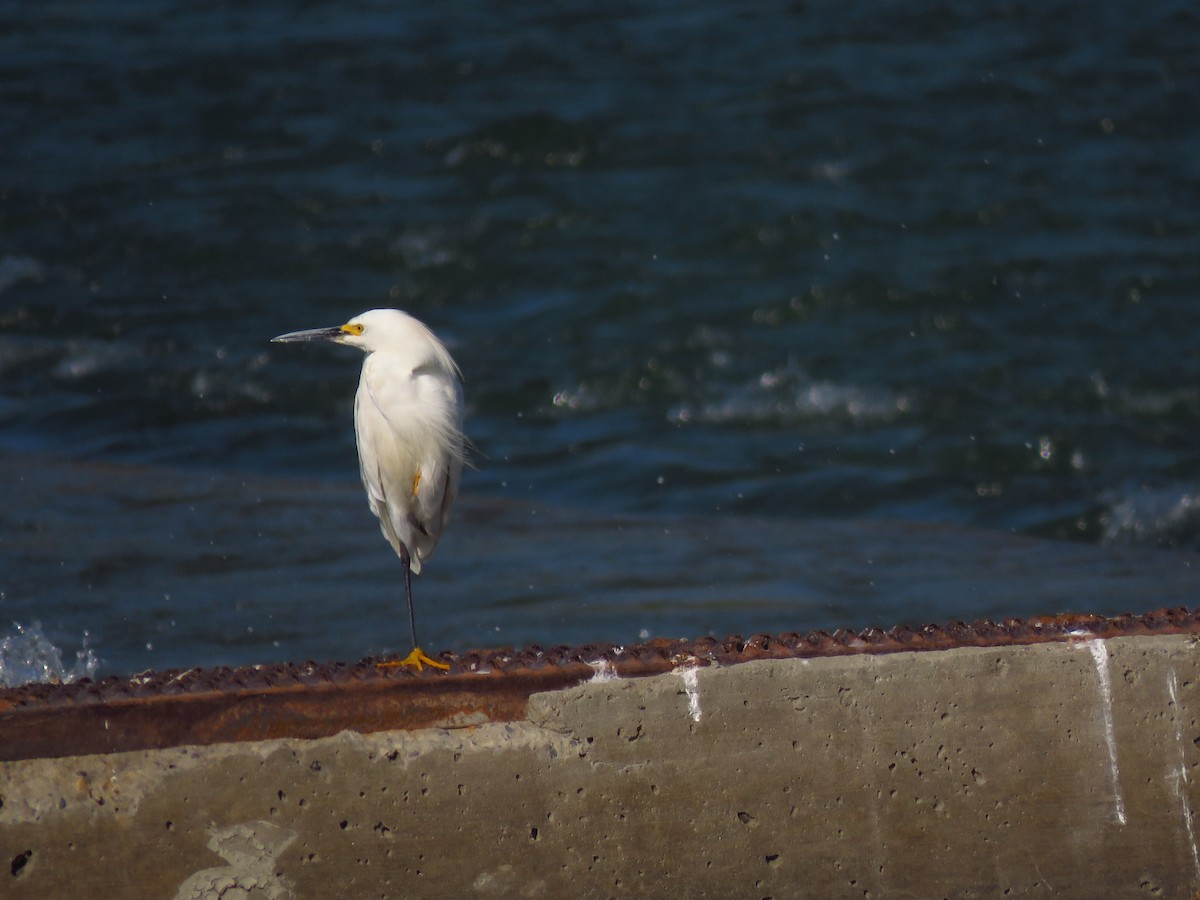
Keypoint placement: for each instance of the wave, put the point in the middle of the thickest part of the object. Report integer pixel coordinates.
(1165, 517)
(786, 395)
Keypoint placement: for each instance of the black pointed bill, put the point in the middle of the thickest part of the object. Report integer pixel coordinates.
(313, 334)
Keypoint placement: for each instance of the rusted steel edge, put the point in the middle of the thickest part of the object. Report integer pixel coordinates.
(156, 710)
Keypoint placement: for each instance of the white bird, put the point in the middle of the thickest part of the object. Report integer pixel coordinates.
(408, 425)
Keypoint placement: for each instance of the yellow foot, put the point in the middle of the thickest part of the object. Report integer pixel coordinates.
(416, 660)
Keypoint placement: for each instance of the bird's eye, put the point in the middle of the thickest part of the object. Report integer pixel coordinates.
(353, 328)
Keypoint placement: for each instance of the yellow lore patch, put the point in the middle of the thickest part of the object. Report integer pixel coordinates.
(416, 482)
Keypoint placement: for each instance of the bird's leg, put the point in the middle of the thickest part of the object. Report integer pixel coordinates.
(412, 615)
(418, 658)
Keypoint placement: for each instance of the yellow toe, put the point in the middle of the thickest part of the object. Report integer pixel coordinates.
(415, 660)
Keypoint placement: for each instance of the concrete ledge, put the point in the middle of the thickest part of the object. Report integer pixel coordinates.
(1063, 769)
(197, 707)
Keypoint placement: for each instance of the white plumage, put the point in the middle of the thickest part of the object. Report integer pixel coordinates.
(408, 426)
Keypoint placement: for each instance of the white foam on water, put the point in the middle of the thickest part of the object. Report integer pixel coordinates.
(788, 395)
(1153, 516)
(1179, 776)
(27, 655)
(1100, 657)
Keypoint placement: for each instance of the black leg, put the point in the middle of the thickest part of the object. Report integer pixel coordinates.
(412, 616)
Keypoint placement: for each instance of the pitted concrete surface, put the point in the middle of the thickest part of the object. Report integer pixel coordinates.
(1055, 770)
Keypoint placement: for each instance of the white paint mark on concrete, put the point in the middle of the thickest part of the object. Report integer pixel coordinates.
(604, 672)
(1179, 777)
(1100, 657)
(691, 686)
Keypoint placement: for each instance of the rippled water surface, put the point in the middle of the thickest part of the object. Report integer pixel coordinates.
(772, 316)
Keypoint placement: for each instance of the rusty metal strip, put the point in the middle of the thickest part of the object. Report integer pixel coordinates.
(155, 710)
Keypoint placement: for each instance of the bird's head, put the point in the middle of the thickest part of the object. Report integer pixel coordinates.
(376, 329)
(382, 329)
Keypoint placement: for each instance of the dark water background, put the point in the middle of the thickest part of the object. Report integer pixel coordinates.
(773, 316)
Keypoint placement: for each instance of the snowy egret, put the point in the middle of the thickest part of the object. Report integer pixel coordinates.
(408, 425)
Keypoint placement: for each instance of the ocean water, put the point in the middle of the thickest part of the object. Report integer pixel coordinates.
(772, 316)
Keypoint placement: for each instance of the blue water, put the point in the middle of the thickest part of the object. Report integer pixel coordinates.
(772, 316)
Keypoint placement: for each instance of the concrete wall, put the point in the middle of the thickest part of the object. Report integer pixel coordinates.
(1058, 769)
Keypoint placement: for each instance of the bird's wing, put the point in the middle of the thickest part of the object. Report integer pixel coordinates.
(375, 452)
(441, 461)
(409, 432)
